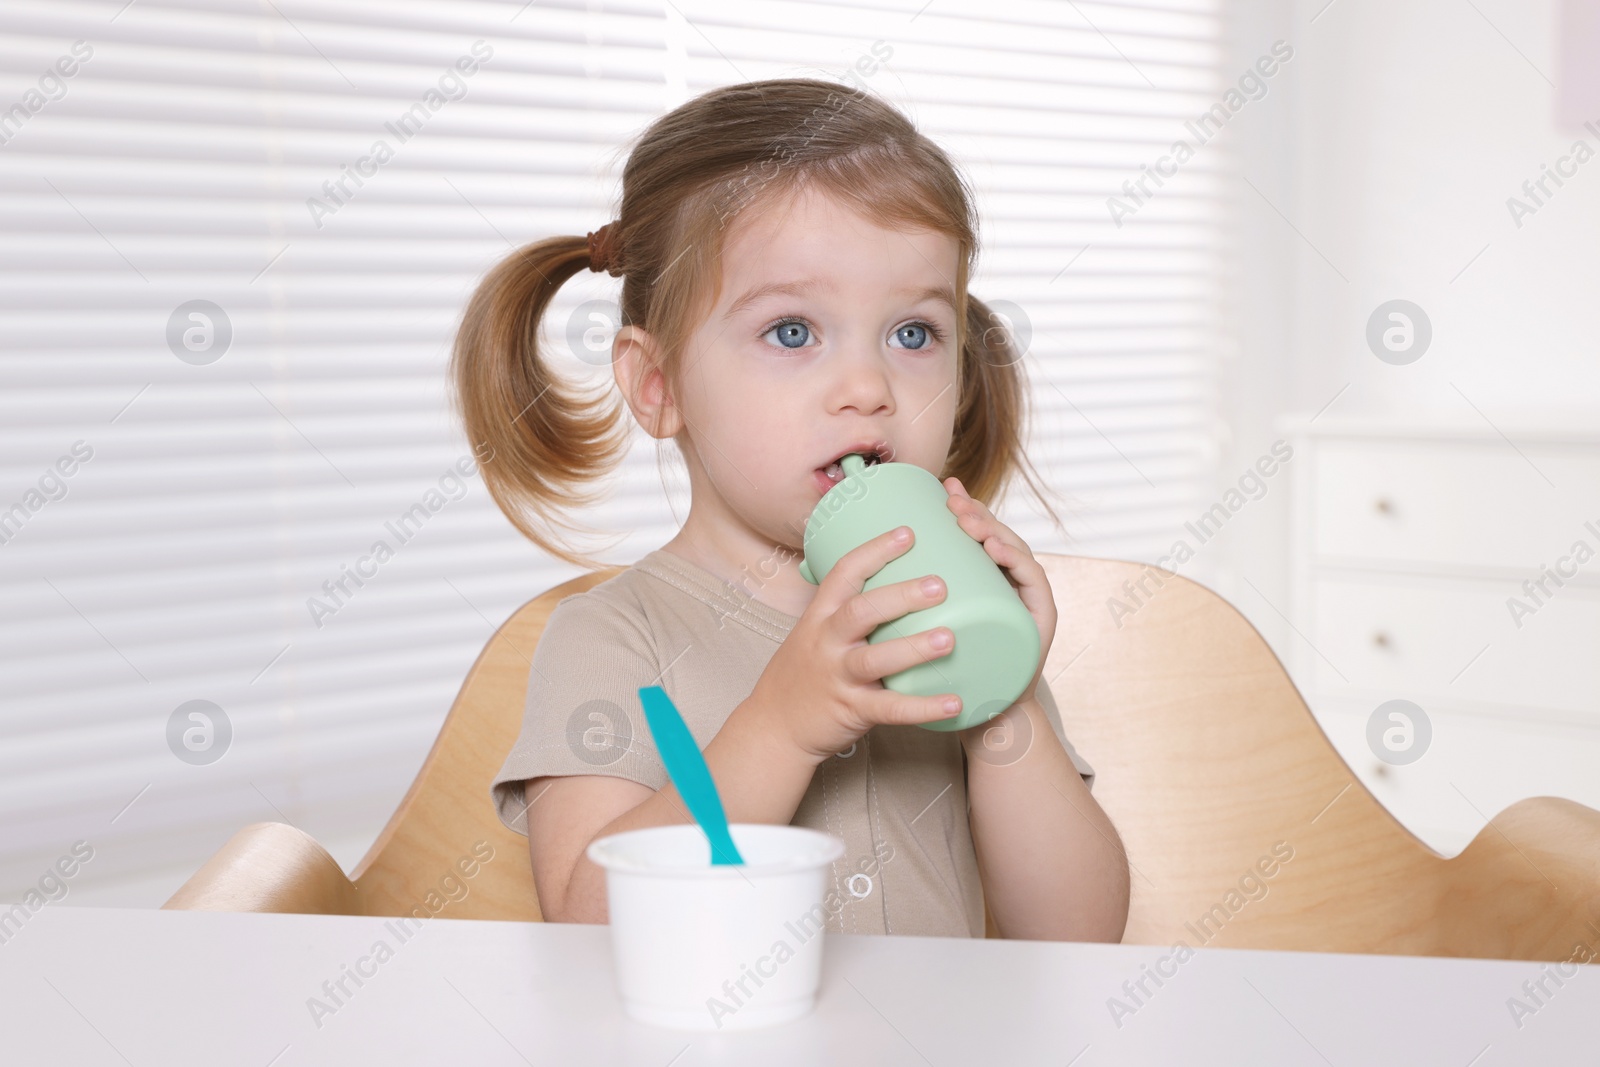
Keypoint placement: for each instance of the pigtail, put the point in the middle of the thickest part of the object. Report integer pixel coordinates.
(987, 447)
(541, 439)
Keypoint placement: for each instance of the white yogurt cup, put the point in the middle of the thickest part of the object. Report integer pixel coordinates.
(703, 947)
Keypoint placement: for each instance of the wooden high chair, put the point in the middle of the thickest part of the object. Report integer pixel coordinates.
(1207, 760)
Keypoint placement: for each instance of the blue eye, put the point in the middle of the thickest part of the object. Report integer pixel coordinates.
(912, 335)
(791, 334)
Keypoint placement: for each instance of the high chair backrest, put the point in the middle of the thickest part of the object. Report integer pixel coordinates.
(1242, 825)
(447, 813)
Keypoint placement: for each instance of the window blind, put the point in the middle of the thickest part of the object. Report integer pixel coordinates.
(228, 313)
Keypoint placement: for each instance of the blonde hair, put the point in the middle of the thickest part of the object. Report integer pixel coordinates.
(693, 170)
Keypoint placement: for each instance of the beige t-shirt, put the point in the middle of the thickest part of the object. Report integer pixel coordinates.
(897, 797)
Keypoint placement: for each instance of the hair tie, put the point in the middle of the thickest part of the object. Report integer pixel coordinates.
(602, 249)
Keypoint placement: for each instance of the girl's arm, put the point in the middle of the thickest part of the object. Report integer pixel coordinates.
(819, 694)
(1053, 867)
(760, 774)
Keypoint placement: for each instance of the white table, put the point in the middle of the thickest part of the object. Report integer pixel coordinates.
(88, 986)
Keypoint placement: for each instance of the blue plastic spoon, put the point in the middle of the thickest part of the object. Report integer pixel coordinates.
(688, 771)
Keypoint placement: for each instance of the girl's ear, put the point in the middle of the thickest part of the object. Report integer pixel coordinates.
(636, 362)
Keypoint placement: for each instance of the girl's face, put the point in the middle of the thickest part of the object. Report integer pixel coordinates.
(830, 334)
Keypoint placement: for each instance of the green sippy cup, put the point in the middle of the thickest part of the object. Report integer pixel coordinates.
(997, 642)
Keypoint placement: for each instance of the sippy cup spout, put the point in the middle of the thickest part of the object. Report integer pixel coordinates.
(853, 464)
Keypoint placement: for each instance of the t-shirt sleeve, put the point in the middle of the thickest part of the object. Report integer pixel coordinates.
(1047, 700)
(582, 713)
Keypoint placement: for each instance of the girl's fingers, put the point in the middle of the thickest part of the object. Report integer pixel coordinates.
(1019, 564)
(1004, 546)
(1015, 559)
(870, 663)
(864, 613)
(849, 576)
(896, 709)
(1006, 556)
(981, 525)
(964, 504)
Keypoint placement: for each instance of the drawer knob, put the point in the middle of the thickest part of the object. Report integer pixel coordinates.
(1383, 506)
(1380, 639)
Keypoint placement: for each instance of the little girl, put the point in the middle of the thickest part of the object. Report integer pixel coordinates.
(794, 258)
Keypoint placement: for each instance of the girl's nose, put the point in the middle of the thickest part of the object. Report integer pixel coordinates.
(860, 380)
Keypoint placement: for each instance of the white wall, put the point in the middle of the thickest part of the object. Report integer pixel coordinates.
(1390, 144)
(1414, 125)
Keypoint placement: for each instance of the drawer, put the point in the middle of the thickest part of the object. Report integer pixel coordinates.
(1417, 638)
(1475, 767)
(1453, 504)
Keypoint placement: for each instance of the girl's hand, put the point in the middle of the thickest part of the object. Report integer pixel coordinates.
(1015, 558)
(824, 685)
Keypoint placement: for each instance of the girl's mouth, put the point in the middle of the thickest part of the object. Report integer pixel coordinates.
(835, 470)
(831, 475)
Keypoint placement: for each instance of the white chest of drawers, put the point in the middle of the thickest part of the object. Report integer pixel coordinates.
(1455, 566)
